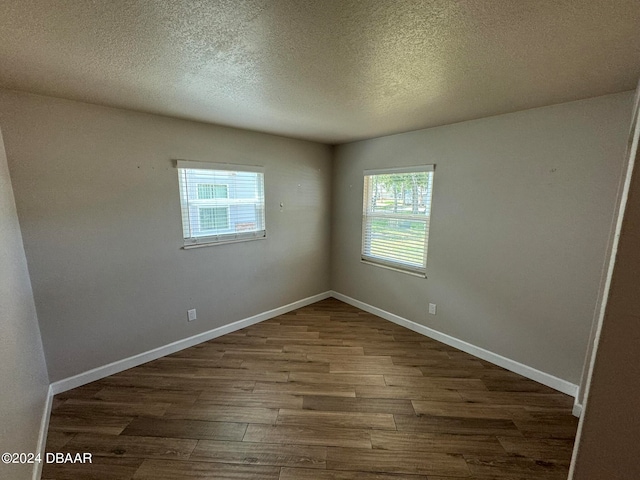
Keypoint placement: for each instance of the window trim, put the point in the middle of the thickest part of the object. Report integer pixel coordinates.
(224, 238)
(191, 164)
(390, 264)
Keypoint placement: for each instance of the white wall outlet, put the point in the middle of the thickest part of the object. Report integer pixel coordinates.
(191, 314)
(432, 308)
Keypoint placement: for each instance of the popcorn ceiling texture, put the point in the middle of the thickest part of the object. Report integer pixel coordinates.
(326, 70)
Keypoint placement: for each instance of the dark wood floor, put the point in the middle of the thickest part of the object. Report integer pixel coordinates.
(325, 392)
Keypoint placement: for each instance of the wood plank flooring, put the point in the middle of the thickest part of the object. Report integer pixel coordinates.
(327, 392)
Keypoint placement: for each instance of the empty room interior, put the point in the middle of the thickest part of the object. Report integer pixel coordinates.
(315, 240)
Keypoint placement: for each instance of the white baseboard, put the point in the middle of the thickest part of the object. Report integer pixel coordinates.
(577, 410)
(130, 362)
(577, 403)
(42, 435)
(516, 367)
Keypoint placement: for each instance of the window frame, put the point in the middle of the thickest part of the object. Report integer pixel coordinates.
(190, 240)
(368, 215)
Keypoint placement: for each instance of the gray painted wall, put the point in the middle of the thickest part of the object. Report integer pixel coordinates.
(23, 372)
(97, 197)
(522, 211)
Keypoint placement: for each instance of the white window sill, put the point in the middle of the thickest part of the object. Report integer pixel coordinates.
(396, 269)
(223, 242)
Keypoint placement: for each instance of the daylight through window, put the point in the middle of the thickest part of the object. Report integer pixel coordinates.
(220, 202)
(395, 219)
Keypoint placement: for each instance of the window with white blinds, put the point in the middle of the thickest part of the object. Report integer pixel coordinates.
(220, 203)
(395, 217)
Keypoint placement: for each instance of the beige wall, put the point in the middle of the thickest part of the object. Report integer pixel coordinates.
(522, 211)
(609, 434)
(23, 372)
(521, 219)
(97, 198)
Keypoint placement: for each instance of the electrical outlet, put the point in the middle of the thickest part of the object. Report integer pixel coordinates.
(191, 314)
(432, 308)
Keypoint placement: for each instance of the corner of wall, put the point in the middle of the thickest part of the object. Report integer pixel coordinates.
(23, 370)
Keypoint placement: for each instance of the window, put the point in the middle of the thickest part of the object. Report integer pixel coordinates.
(395, 217)
(209, 191)
(220, 203)
(214, 218)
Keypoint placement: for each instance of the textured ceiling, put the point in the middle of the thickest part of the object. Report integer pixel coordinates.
(327, 70)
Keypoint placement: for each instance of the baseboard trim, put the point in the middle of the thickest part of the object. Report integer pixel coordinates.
(504, 362)
(42, 435)
(577, 410)
(130, 362)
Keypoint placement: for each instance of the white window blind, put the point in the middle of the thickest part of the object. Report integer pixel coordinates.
(220, 203)
(395, 218)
